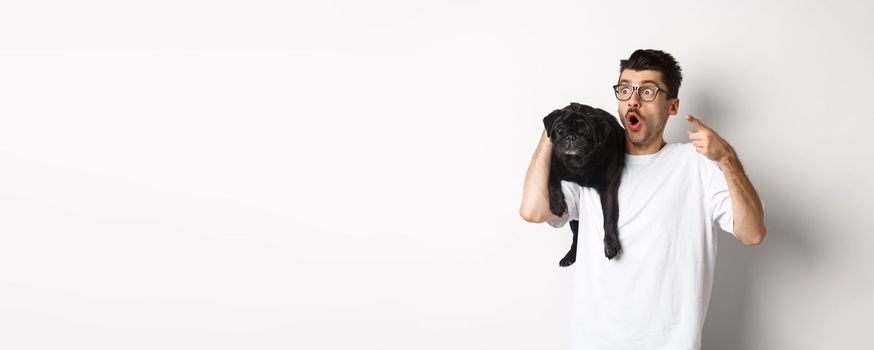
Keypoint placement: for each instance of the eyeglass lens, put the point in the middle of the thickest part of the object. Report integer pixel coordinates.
(646, 93)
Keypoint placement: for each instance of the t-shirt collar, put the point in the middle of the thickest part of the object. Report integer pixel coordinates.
(648, 158)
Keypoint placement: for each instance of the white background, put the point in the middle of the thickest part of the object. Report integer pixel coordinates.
(330, 175)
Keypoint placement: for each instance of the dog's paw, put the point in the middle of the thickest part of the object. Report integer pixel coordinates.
(557, 206)
(568, 259)
(611, 246)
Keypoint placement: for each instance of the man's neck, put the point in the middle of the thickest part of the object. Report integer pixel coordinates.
(651, 148)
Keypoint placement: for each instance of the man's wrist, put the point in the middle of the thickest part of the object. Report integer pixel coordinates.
(729, 161)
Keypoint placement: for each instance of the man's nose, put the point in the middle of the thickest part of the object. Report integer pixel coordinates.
(634, 101)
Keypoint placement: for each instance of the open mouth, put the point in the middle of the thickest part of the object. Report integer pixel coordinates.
(633, 120)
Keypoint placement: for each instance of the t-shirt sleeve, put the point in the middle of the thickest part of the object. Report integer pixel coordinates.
(720, 201)
(571, 192)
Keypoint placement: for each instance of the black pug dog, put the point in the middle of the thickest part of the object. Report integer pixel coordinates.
(589, 149)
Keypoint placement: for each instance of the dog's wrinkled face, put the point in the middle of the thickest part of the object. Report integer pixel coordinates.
(577, 139)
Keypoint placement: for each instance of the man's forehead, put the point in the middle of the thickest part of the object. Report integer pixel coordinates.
(638, 77)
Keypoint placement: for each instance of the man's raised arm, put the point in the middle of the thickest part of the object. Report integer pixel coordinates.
(535, 194)
(747, 211)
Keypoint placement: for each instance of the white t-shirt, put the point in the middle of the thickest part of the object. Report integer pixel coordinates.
(654, 294)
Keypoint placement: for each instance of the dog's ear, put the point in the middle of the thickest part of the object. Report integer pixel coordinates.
(550, 120)
(611, 130)
(604, 132)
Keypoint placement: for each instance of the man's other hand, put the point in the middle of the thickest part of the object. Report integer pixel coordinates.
(708, 142)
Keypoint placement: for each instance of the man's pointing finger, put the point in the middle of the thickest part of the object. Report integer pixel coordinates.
(697, 123)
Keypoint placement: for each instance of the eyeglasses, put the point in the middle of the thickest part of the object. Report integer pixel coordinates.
(646, 93)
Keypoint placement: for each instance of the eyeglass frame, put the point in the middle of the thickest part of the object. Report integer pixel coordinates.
(636, 90)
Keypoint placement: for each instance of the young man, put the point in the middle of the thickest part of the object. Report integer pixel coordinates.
(654, 295)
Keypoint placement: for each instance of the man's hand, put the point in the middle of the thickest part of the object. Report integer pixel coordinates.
(708, 142)
(747, 211)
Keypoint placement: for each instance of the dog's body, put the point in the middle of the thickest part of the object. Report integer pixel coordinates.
(589, 149)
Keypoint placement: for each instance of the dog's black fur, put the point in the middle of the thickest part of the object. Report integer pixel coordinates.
(589, 149)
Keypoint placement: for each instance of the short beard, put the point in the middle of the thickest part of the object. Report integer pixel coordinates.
(648, 140)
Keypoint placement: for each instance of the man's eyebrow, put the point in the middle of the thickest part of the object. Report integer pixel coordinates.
(626, 81)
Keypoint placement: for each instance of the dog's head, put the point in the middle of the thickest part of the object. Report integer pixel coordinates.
(579, 133)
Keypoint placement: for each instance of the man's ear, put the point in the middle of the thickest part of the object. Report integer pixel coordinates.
(674, 108)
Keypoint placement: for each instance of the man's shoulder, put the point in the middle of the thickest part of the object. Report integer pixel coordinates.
(684, 148)
(686, 153)
(571, 186)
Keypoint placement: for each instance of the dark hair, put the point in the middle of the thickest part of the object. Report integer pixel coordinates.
(656, 60)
